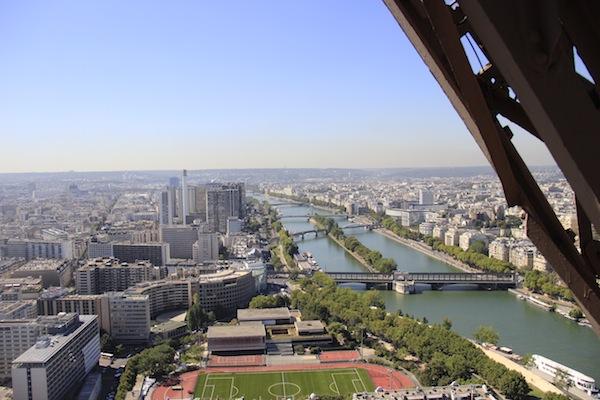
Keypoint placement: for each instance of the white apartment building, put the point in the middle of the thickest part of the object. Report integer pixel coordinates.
(452, 237)
(540, 263)
(426, 228)
(500, 249)
(439, 231)
(58, 362)
(521, 255)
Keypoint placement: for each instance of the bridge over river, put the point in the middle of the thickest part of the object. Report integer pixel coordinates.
(404, 281)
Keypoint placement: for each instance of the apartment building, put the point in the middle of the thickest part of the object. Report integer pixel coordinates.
(108, 275)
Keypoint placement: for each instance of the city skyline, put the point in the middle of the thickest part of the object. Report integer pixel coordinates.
(245, 87)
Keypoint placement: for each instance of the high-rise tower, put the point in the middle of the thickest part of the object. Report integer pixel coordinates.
(184, 198)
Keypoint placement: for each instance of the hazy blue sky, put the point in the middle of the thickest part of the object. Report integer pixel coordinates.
(111, 85)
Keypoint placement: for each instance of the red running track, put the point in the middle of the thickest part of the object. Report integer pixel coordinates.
(340, 355)
(381, 376)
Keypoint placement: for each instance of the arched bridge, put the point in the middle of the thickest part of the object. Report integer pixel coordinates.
(435, 279)
(318, 232)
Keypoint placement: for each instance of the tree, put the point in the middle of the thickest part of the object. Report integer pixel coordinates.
(106, 343)
(197, 317)
(446, 323)
(514, 386)
(576, 314)
(268, 301)
(477, 247)
(528, 360)
(562, 380)
(486, 334)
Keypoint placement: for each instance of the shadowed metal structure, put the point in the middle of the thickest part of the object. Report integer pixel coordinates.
(530, 79)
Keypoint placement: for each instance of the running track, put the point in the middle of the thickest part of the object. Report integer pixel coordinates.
(381, 376)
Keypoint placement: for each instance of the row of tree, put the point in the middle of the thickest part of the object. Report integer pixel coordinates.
(443, 355)
(372, 257)
(546, 283)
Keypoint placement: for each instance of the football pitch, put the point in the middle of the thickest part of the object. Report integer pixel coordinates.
(282, 385)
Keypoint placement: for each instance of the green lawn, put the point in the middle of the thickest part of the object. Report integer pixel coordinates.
(282, 385)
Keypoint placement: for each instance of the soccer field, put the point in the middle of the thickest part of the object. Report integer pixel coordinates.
(282, 385)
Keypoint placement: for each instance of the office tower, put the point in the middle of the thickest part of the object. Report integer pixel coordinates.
(59, 362)
(184, 198)
(425, 197)
(172, 197)
(206, 248)
(180, 240)
(109, 275)
(241, 194)
(221, 203)
(165, 217)
(200, 206)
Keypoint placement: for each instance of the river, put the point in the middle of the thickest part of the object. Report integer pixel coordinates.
(521, 325)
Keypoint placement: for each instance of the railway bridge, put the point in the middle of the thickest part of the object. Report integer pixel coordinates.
(405, 281)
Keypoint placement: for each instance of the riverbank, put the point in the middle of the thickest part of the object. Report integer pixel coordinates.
(530, 377)
(423, 248)
(562, 308)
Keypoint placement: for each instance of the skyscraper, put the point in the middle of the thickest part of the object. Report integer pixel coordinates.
(165, 217)
(222, 202)
(184, 198)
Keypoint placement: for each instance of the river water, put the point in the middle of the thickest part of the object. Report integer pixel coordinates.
(521, 325)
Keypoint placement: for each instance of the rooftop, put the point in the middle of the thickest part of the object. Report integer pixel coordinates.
(168, 326)
(41, 264)
(243, 330)
(255, 314)
(44, 349)
(309, 325)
